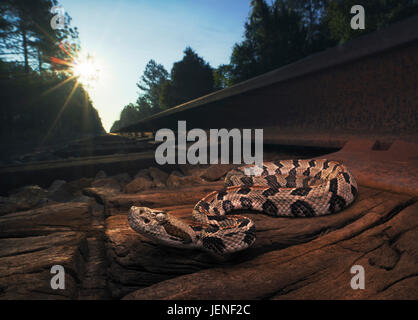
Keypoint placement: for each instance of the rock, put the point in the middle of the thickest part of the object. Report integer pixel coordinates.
(6, 206)
(158, 176)
(176, 180)
(71, 191)
(106, 183)
(97, 210)
(82, 198)
(143, 173)
(24, 198)
(29, 193)
(176, 173)
(101, 174)
(192, 170)
(59, 192)
(115, 183)
(76, 187)
(56, 185)
(138, 184)
(217, 171)
(122, 178)
(100, 194)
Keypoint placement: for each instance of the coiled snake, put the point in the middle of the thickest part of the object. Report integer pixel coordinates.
(286, 188)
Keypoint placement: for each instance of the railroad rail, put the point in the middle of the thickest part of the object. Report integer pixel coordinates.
(366, 87)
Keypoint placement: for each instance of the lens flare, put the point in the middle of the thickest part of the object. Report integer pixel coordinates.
(83, 67)
(75, 66)
(86, 70)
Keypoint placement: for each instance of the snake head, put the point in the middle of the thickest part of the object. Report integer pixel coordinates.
(146, 219)
(159, 226)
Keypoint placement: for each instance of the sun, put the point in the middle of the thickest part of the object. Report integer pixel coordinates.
(87, 70)
(81, 66)
(74, 65)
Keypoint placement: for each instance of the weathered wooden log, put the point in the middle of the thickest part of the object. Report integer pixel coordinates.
(382, 240)
(136, 262)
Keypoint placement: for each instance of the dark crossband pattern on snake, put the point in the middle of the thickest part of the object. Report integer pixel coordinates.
(286, 188)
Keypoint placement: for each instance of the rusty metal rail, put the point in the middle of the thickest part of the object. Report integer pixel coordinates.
(365, 87)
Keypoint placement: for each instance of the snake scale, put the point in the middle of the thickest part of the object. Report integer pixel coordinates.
(285, 188)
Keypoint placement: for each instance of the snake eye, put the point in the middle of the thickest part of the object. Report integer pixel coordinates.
(160, 216)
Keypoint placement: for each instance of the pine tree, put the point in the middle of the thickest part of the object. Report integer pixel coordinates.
(26, 34)
(191, 78)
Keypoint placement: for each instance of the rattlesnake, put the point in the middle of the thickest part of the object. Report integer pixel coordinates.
(286, 188)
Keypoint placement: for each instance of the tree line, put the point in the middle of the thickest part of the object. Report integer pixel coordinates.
(189, 78)
(276, 33)
(38, 101)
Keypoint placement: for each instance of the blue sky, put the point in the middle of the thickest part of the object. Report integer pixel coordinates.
(124, 35)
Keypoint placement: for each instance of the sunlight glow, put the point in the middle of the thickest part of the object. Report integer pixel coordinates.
(83, 67)
(87, 71)
(75, 65)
